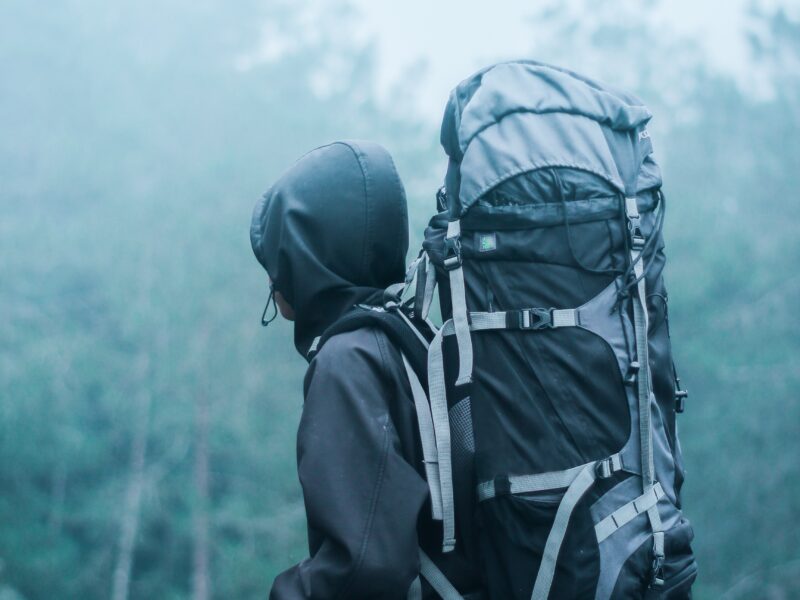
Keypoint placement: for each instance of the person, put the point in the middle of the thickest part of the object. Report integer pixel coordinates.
(332, 233)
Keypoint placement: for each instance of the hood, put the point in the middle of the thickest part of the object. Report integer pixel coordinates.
(332, 232)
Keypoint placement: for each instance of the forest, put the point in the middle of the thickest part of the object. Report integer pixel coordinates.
(147, 421)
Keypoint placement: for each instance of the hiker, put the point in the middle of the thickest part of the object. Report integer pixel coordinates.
(332, 233)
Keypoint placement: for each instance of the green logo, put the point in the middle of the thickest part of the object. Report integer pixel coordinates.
(487, 242)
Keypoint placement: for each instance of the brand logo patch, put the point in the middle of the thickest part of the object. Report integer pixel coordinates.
(487, 242)
(644, 134)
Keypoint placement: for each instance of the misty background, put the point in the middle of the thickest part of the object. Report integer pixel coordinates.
(147, 421)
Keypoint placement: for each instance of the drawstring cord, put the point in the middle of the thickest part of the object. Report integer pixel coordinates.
(578, 261)
(270, 300)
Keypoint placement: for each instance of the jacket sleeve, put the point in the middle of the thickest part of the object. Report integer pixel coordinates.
(362, 498)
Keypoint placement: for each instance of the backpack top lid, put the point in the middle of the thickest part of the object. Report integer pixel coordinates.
(518, 116)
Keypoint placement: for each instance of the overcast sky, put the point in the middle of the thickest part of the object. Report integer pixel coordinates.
(457, 36)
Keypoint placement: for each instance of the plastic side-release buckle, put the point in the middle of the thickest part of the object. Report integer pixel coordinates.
(633, 372)
(452, 253)
(607, 467)
(658, 559)
(680, 397)
(530, 318)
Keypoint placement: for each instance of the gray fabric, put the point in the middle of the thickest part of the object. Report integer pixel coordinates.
(506, 149)
(436, 578)
(547, 568)
(490, 119)
(596, 316)
(428, 439)
(627, 512)
(441, 427)
(565, 317)
(458, 298)
(615, 551)
(623, 492)
(415, 591)
(541, 482)
(430, 286)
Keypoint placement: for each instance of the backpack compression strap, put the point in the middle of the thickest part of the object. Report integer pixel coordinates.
(644, 387)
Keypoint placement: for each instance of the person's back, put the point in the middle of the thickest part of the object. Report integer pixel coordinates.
(332, 233)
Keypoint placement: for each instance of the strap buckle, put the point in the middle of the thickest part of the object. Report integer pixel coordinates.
(452, 253)
(535, 318)
(606, 468)
(680, 397)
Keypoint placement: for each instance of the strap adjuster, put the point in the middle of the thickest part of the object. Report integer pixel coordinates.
(606, 468)
(452, 253)
(532, 318)
(658, 559)
(680, 397)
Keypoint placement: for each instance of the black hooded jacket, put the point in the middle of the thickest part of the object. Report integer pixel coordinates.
(332, 233)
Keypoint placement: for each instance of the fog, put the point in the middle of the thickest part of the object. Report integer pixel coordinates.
(147, 421)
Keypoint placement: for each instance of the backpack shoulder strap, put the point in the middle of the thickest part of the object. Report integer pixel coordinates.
(410, 338)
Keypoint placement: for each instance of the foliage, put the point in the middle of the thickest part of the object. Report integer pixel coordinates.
(137, 137)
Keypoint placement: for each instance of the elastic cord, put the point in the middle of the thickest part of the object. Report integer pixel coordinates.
(270, 300)
(578, 261)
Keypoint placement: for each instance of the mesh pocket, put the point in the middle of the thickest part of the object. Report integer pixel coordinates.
(463, 440)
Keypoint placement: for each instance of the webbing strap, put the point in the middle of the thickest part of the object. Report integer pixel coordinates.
(430, 286)
(441, 428)
(428, 438)
(625, 514)
(644, 388)
(640, 324)
(542, 482)
(547, 568)
(458, 296)
(415, 591)
(437, 579)
(483, 321)
(658, 544)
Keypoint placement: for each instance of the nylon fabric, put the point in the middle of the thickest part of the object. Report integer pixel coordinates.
(540, 482)
(547, 568)
(441, 426)
(483, 321)
(459, 306)
(332, 232)
(428, 438)
(430, 286)
(415, 591)
(437, 580)
(626, 513)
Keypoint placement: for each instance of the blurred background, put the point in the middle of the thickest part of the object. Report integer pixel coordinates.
(147, 422)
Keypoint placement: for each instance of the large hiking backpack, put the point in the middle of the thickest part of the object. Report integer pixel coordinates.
(552, 375)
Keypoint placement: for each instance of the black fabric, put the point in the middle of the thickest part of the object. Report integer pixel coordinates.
(360, 466)
(553, 399)
(514, 532)
(394, 327)
(679, 569)
(332, 232)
